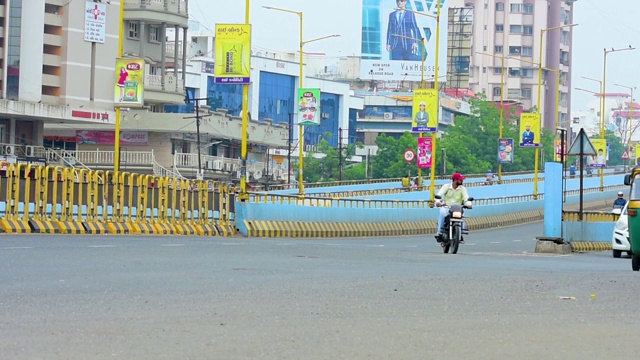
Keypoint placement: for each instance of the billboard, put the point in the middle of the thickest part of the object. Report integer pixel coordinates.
(391, 44)
(424, 114)
(129, 83)
(529, 130)
(308, 106)
(425, 149)
(233, 54)
(127, 138)
(599, 161)
(505, 151)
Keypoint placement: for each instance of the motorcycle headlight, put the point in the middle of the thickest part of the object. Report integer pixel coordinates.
(456, 214)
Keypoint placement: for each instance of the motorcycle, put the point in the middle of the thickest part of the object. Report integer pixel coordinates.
(617, 209)
(453, 229)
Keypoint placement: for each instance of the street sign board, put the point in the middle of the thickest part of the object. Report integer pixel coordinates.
(582, 145)
(409, 155)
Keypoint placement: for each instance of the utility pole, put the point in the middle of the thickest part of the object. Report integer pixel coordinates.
(289, 148)
(340, 153)
(198, 117)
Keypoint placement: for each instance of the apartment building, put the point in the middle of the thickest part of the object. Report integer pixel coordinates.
(511, 29)
(57, 61)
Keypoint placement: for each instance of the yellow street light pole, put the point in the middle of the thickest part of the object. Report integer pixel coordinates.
(538, 109)
(434, 135)
(604, 94)
(501, 57)
(631, 88)
(116, 140)
(245, 126)
(301, 85)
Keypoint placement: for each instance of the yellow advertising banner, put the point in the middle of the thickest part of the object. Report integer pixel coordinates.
(599, 160)
(232, 54)
(637, 151)
(129, 83)
(530, 130)
(425, 110)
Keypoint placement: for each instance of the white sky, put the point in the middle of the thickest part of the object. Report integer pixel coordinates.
(610, 23)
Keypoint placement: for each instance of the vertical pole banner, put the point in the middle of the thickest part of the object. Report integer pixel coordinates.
(308, 106)
(424, 111)
(599, 161)
(425, 149)
(233, 54)
(505, 151)
(530, 130)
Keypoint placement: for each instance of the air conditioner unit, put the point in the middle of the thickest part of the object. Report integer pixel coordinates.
(209, 165)
(257, 174)
(9, 150)
(30, 151)
(388, 116)
(227, 166)
(238, 174)
(234, 167)
(309, 148)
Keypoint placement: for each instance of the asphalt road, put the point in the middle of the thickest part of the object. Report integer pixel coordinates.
(106, 297)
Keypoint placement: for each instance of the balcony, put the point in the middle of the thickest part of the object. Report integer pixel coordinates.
(51, 60)
(173, 12)
(169, 92)
(170, 49)
(53, 19)
(50, 39)
(51, 80)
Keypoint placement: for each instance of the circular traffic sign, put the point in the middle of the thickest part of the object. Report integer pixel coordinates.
(409, 155)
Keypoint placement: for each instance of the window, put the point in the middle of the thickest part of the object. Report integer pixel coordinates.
(513, 94)
(497, 71)
(484, 70)
(499, 49)
(527, 30)
(462, 64)
(484, 48)
(526, 72)
(499, 6)
(496, 91)
(485, 27)
(525, 93)
(499, 27)
(527, 8)
(515, 50)
(514, 72)
(515, 29)
(133, 30)
(527, 51)
(515, 8)
(154, 34)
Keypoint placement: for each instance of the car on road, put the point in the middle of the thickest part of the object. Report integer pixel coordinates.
(620, 241)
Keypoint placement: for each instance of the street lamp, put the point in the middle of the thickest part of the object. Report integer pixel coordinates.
(434, 136)
(501, 57)
(537, 151)
(630, 111)
(301, 75)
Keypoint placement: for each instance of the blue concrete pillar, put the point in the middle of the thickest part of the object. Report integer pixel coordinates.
(241, 215)
(552, 200)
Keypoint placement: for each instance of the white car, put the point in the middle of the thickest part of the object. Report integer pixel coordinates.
(620, 240)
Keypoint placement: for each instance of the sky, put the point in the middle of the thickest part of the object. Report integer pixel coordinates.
(601, 24)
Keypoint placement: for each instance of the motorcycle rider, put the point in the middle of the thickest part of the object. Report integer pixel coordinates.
(620, 202)
(452, 193)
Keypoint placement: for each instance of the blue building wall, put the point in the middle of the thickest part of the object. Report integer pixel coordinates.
(277, 97)
(224, 96)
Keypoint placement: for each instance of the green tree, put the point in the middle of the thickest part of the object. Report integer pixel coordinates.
(389, 161)
(324, 164)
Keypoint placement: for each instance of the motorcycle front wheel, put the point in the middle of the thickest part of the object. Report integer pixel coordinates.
(455, 241)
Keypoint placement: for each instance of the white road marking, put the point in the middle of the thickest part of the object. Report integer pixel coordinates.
(517, 240)
(495, 242)
(18, 248)
(102, 246)
(169, 245)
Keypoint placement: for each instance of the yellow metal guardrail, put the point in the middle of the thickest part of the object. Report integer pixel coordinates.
(55, 199)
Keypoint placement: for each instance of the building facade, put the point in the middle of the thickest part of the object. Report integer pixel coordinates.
(511, 29)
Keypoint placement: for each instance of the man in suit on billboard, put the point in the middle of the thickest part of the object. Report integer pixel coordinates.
(403, 23)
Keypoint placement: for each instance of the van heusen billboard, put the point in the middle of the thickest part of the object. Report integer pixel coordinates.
(391, 47)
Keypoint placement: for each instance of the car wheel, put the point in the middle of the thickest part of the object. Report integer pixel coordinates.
(617, 253)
